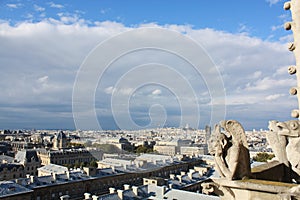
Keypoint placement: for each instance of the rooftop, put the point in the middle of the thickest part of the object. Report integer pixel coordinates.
(52, 168)
(8, 188)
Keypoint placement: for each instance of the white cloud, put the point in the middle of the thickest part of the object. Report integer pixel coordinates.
(38, 8)
(156, 92)
(287, 38)
(256, 75)
(54, 5)
(243, 28)
(125, 91)
(268, 83)
(58, 47)
(14, 6)
(281, 71)
(109, 90)
(274, 97)
(285, 17)
(274, 28)
(29, 16)
(272, 2)
(105, 11)
(43, 79)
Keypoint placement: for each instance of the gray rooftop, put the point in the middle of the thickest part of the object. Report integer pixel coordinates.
(7, 159)
(26, 156)
(52, 168)
(176, 194)
(8, 188)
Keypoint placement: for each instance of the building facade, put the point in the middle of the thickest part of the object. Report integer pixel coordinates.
(165, 149)
(30, 160)
(65, 156)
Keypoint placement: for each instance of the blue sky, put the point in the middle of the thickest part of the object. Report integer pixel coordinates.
(44, 43)
(257, 17)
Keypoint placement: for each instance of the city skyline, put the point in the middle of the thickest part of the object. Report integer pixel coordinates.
(44, 45)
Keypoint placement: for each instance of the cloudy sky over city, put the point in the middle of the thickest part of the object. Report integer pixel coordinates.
(47, 46)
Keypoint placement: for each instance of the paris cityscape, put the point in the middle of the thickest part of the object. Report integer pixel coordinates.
(127, 100)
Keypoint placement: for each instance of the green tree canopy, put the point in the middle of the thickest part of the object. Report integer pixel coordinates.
(263, 157)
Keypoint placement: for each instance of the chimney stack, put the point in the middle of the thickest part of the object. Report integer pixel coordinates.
(65, 197)
(87, 196)
(190, 175)
(126, 187)
(18, 181)
(112, 190)
(68, 174)
(31, 179)
(54, 176)
(120, 194)
(135, 190)
(179, 178)
(113, 169)
(172, 176)
(163, 190)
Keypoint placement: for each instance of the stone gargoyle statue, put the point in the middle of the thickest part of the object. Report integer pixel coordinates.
(284, 139)
(230, 149)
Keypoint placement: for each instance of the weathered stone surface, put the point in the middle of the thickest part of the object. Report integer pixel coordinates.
(284, 138)
(254, 189)
(231, 150)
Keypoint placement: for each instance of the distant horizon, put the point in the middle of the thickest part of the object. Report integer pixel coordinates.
(30, 129)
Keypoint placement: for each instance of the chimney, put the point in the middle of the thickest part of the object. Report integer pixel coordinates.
(125, 167)
(112, 190)
(65, 197)
(31, 179)
(135, 190)
(54, 176)
(90, 171)
(179, 178)
(120, 194)
(113, 169)
(126, 187)
(68, 174)
(182, 173)
(87, 196)
(137, 164)
(18, 181)
(27, 175)
(163, 190)
(170, 185)
(190, 175)
(172, 176)
(94, 197)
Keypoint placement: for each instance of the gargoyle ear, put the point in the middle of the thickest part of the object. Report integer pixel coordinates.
(272, 124)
